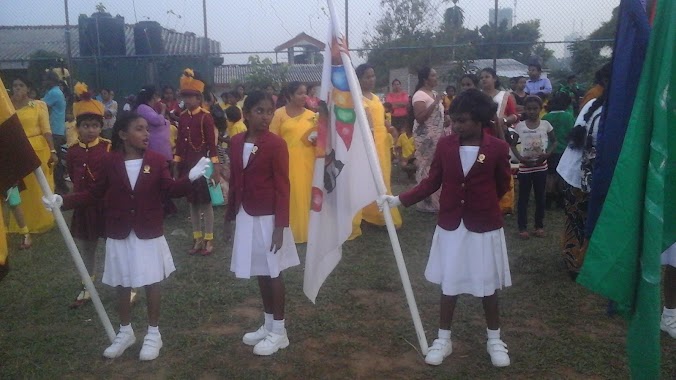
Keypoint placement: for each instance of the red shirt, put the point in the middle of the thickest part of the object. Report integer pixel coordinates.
(127, 209)
(262, 187)
(398, 97)
(473, 199)
(196, 138)
(85, 162)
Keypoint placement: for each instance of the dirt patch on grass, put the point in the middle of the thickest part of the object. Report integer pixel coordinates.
(376, 298)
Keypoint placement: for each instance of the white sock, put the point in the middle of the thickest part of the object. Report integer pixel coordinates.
(278, 326)
(444, 334)
(153, 330)
(268, 321)
(126, 329)
(669, 312)
(493, 334)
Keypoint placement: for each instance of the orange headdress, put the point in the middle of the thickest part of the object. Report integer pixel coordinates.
(189, 84)
(86, 105)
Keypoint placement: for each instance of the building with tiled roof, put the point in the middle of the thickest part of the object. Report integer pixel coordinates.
(228, 75)
(18, 43)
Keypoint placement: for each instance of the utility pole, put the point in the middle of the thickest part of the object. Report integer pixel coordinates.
(69, 53)
(206, 77)
(495, 54)
(346, 22)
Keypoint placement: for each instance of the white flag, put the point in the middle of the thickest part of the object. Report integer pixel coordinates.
(343, 181)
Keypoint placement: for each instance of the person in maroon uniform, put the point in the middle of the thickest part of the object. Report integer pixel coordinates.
(468, 253)
(84, 161)
(131, 185)
(197, 139)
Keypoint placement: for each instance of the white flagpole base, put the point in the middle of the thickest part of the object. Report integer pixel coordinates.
(406, 281)
(75, 253)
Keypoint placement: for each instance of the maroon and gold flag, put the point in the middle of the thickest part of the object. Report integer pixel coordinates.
(17, 157)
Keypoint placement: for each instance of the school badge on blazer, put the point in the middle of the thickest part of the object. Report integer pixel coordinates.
(146, 169)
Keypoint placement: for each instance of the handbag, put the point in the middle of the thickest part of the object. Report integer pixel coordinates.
(588, 157)
(13, 197)
(215, 192)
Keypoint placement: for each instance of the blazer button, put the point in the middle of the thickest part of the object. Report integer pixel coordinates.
(463, 185)
(132, 211)
(462, 202)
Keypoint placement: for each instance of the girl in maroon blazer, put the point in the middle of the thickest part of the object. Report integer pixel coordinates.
(258, 202)
(468, 254)
(131, 184)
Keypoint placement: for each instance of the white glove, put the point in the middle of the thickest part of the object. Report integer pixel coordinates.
(54, 203)
(391, 200)
(199, 169)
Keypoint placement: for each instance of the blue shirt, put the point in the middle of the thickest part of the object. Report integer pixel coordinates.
(541, 85)
(57, 110)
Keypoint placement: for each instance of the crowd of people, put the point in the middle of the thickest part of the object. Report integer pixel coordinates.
(255, 152)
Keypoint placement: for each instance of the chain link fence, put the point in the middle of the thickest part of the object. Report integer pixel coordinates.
(279, 40)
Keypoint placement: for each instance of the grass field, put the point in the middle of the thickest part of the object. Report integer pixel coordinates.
(360, 327)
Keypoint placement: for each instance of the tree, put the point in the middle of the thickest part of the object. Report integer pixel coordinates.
(404, 25)
(264, 73)
(586, 53)
(519, 43)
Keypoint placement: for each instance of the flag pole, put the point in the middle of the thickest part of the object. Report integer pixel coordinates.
(367, 136)
(72, 248)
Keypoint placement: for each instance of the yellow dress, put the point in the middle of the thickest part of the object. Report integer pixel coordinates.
(295, 130)
(383, 144)
(35, 120)
(71, 133)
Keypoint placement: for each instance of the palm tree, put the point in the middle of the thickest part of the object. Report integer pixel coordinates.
(454, 18)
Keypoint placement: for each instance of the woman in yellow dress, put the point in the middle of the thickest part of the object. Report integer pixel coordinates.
(381, 135)
(34, 118)
(295, 124)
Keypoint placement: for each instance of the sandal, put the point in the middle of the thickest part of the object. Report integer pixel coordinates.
(524, 235)
(27, 243)
(208, 248)
(82, 299)
(197, 247)
(539, 233)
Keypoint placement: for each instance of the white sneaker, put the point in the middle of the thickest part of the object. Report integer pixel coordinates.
(121, 342)
(440, 349)
(271, 344)
(668, 325)
(497, 349)
(151, 347)
(253, 338)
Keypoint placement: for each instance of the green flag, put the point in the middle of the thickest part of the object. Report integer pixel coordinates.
(638, 220)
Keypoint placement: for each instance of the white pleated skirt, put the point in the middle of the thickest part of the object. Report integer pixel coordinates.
(134, 262)
(669, 256)
(466, 262)
(251, 255)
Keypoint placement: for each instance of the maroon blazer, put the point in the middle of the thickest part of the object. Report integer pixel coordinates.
(473, 199)
(125, 209)
(263, 187)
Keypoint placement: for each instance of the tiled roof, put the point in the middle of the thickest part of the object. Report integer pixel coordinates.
(19, 42)
(228, 74)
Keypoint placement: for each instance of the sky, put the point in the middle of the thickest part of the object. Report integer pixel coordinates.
(260, 25)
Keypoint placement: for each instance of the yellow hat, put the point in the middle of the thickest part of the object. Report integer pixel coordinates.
(86, 105)
(189, 84)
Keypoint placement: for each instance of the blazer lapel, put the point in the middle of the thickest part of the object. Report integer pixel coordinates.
(121, 169)
(455, 156)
